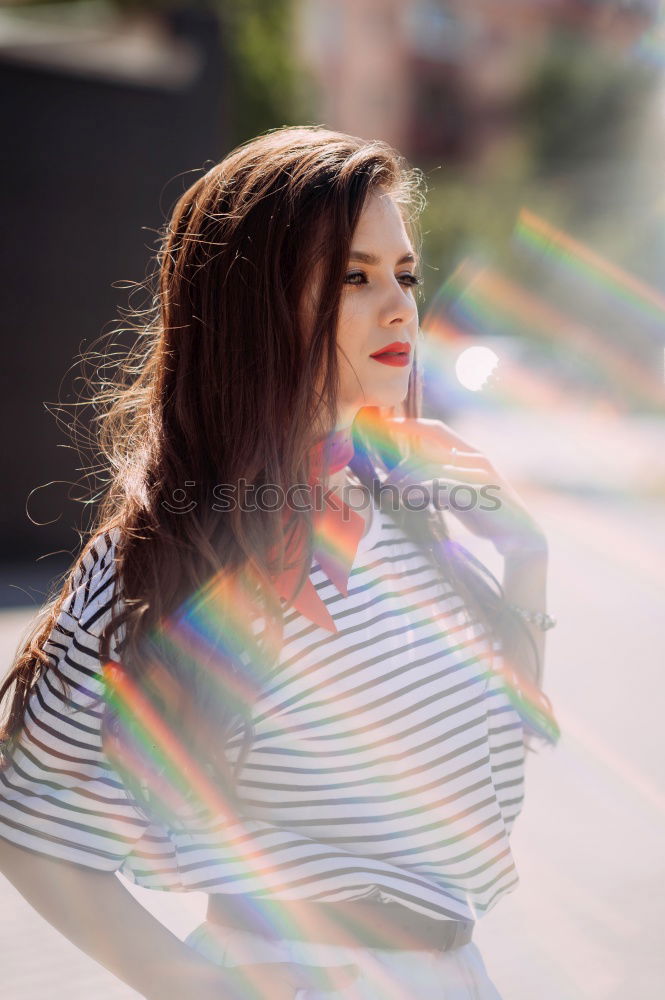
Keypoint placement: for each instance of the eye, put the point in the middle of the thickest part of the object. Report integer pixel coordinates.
(355, 274)
(411, 280)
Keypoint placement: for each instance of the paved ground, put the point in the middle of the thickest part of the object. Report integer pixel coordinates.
(585, 922)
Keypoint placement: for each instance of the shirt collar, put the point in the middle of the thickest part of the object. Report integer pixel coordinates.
(337, 532)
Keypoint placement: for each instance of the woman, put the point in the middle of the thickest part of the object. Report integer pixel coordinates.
(284, 684)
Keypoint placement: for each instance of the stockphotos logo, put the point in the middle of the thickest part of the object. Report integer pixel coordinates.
(224, 497)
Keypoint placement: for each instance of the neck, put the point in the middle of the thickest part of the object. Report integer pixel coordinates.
(338, 478)
(332, 452)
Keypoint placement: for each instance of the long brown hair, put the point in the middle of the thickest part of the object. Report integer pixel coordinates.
(224, 383)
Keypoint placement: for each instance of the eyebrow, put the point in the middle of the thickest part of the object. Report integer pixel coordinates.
(370, 258)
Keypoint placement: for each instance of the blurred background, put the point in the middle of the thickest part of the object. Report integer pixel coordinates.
(540, 127)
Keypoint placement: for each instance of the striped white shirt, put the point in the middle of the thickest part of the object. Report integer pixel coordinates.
(387, 760)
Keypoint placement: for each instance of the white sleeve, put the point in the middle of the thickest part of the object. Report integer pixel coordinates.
(59, 794)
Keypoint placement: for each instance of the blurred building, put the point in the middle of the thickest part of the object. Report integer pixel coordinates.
(109, 115)
(438, 77)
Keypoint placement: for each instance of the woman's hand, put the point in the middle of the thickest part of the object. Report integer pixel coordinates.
(279, 980)
(493, 508)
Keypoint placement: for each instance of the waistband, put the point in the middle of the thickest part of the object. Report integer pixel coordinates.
(360, 923)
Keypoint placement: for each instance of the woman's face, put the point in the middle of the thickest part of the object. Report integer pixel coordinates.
(377, 311)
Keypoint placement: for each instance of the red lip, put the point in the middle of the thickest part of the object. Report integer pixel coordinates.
(397, 353)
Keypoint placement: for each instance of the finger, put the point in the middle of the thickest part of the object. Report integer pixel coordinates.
(418, 471)
(419, 449)
(419, 445)
(431, 433)
(463, 459)
(456, 465)
(407, 467)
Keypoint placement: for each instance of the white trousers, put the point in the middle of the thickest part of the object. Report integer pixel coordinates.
(385, 974)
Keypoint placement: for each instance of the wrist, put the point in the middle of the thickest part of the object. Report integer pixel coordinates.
(534, 548)
(541, 619)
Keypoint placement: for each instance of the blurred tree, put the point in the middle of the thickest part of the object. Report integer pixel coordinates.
(564, 151)
(582, 106)
(570, 153)
(265, 81)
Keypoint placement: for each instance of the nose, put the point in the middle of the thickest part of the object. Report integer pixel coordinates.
(399, 308)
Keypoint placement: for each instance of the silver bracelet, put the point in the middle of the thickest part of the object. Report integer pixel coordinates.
(539, 618)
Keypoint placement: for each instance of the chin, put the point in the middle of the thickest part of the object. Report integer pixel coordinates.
(392, 392)
(388, 395)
